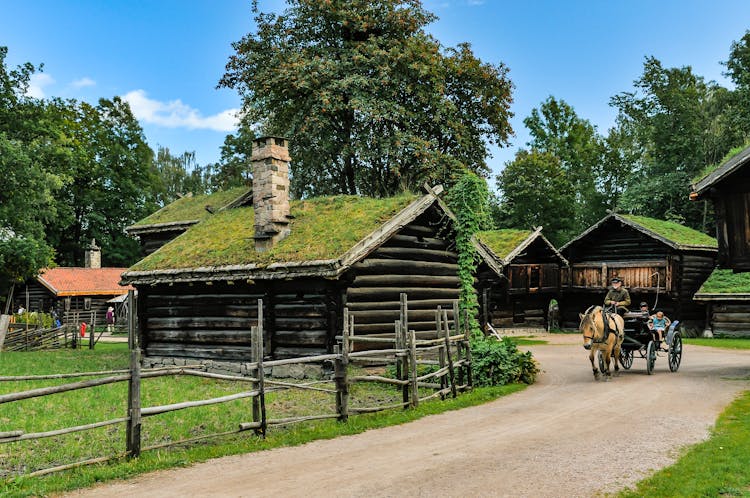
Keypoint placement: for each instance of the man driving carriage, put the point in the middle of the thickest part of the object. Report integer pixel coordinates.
(617, 297)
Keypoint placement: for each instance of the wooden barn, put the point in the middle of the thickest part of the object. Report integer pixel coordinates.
(728, 187)
(516, 291)
(660, 262)
(306, 259)
(174, 219)
(726, 293)
(73, 289)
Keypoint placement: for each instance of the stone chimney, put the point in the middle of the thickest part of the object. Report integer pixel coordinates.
(270, 161)
(93, 255)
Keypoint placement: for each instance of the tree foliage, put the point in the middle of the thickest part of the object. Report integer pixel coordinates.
(373, 104)
(536, 191)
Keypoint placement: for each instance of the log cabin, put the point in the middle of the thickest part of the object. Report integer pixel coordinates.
(74, 289)
(726, 293)
(517, 290)
(660, 262)
(306, 259)
(175, 218)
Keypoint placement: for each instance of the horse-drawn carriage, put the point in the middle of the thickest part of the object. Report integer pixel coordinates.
(643, 341)
(610, 337)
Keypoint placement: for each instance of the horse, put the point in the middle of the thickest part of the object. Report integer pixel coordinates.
(595, 338)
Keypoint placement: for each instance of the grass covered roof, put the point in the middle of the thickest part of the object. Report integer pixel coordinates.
(192, 208)
(726, 282)
(321, 229)
(713, 167)
(503, 242)
(674, 232)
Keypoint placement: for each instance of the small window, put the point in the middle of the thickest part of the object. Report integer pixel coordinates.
(534, 277)
(87, 304)
(67, 304)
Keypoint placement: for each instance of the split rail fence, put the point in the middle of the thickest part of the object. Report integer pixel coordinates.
(425, 369)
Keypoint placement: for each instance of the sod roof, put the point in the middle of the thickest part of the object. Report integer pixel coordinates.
(192, 208)
(681, 236)
(503, 242)
(725, 283)
(734, 159)
(321, 229)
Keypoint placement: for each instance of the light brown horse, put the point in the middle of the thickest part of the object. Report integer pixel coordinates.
(595, 338)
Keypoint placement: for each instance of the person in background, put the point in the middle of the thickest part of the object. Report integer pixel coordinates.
(110, 316)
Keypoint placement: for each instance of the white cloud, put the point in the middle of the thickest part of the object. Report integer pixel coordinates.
(176, 114)
(37, 82)
(82, 82)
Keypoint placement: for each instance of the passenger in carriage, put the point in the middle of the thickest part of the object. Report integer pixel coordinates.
(659, 322)
(618, 297)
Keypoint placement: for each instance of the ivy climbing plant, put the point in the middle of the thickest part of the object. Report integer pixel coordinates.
(469, 201)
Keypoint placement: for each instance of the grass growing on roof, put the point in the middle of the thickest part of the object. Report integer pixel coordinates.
(322, 228)
(675, 232)
(502, 242)
(726, 282)
(713, 167)
(193, 208)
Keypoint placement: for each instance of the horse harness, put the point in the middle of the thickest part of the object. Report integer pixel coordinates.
(607, 330)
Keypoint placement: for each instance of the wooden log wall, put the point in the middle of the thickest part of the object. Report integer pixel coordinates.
(523, 310)
(614, 242)
(213, 321)
(419, 260)
(730, 319)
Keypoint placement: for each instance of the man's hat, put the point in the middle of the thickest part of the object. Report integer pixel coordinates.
(616, 279)
(643, 303)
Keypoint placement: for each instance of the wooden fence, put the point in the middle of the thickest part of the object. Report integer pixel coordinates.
(447, 357)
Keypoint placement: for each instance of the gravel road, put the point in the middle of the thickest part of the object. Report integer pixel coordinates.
(566, 435)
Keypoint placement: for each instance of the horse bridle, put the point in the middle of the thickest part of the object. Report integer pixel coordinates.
(590, 317)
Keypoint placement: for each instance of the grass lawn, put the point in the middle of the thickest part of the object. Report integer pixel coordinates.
(717, 467)
(109, 402)
(718, 342)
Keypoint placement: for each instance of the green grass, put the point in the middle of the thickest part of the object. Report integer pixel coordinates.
(713, 167)
(193, 208)
(322, 228)
(726, 282)
(108, 402)
(717, 467)
(675, 232)
(719, 342)
(503, 242)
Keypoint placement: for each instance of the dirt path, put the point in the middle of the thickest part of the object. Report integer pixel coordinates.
(564, 436)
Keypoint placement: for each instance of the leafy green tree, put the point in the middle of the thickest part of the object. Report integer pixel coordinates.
(233, 169)
(738, 69)
(109, 180)
(535, 191)
(371, 102)
(674, 117)
(179, 175)
(26, 199)
(557, 129)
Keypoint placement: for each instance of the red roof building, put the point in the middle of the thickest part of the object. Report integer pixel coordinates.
(63, 282)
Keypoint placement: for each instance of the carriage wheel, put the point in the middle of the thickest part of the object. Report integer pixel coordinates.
(600, 357)
(626, 358)
(650, 357)
(675, 353)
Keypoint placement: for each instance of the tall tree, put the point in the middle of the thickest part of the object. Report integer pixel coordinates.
(372, 103)
(26, 199)
(535, 191)
(671, 115)
(179, 175)
(233, 169)
(556, 128)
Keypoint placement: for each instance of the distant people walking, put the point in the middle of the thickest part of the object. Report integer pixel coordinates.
(110, 320)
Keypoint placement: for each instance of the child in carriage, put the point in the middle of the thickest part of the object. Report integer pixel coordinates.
(659, 323)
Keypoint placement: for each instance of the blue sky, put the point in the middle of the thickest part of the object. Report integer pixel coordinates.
(166, 56)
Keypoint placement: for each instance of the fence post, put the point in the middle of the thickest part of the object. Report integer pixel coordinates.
(342, 387)
(133, 433)
(447, 336)
(92, 332)
(460, 344)
(261, 384)
(255, 358)
(413, 356)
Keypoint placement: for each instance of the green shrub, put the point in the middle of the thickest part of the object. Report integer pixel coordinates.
(35, 318)
(496, 363)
